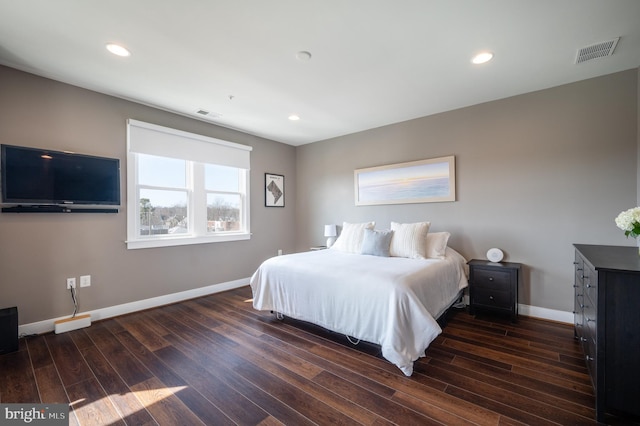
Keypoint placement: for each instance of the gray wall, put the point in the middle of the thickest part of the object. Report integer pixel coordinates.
(39, 251)
(535, 173)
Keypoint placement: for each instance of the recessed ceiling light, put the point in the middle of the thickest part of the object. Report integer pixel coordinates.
(116, 49)
(482, 57)
(294, 117)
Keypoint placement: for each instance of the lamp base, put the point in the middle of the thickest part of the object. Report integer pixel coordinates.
(330, 241)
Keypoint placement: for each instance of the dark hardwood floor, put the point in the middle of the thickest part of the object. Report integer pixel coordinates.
(216, 361)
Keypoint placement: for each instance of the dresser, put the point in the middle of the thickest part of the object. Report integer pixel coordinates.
(607, 323)
(493, 286)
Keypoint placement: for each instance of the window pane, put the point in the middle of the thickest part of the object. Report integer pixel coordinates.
(161, 171)
(222, 178)
(223, 212)
(163, 212)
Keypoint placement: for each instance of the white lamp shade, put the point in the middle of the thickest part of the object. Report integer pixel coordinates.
(330, 231)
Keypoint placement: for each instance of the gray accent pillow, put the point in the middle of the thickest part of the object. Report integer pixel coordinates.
(376, 242)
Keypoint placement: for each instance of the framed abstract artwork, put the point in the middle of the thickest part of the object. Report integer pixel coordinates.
(424, 181)
(273, 190)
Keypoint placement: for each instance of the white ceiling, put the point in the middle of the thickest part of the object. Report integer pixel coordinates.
(374, 62)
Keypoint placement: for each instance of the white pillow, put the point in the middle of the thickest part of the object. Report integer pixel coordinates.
(409, 240)
(437, 244)
(350, 239)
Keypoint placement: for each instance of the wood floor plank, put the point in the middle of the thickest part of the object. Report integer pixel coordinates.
(68, 359)
(80, 338)
(142, 332)
(383, 407)
(527, 388)
(91, 404)
(566, 392)
(532, 355)
(501, 395)
(583, 387)
(50, 386)
(309, 385)
(508, 357)
(328, 365)
(131, 371)
(38, 352)
(18, 381)
(515, 344)
(305, 404)
(162, 403)
(260, 350)
(216, 360)
(125, 402)
(213, 387)
(435, 412)
(194, 400)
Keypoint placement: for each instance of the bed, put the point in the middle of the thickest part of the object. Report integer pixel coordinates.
(387, 300)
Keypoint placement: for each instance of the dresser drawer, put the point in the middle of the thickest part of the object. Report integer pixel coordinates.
(579, 268)
(578, 317)
(590, 284)
(492, 279)
(590, 318)
(589, 350)
(493, 298)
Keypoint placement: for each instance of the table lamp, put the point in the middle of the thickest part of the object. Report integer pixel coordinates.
(330, 232)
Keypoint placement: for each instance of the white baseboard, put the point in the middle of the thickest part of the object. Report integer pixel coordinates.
(544, 313)
(126, 308)
(538, 312)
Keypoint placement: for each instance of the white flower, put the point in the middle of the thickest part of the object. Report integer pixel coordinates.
(629, 222)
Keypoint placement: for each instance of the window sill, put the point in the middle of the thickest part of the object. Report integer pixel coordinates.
(185, 240)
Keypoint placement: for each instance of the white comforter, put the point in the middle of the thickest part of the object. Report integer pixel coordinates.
(389, 301)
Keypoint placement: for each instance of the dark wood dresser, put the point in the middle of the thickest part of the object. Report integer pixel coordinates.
(607, 322)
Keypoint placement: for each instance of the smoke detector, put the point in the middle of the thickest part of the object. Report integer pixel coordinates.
(599, 50)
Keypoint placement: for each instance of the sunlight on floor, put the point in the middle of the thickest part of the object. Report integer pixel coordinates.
(151, 396)
(94, 410)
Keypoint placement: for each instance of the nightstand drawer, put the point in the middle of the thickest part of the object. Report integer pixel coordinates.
(493, 298)
(492, 279)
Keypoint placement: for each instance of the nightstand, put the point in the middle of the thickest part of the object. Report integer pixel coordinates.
(493, 286)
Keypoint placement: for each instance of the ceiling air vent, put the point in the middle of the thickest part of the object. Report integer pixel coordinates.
(599, 50)
(209, 114)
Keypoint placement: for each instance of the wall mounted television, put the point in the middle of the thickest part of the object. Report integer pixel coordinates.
(43, 180)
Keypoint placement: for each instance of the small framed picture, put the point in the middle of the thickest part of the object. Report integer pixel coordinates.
(273, 190)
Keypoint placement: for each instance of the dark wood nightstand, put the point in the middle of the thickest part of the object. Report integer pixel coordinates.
(494, 287)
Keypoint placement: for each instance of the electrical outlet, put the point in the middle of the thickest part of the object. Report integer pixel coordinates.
(279, 252)
(71, 282)
(85, 280)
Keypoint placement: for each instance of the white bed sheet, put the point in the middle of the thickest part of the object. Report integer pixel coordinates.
(389, 301)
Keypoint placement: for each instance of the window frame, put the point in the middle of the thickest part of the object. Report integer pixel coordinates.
(196, 192)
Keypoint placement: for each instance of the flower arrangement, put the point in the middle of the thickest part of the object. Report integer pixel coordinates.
(629, 222)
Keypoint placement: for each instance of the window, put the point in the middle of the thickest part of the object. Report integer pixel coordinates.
(184, 188)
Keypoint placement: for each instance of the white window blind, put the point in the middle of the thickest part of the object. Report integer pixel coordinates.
(146, 138)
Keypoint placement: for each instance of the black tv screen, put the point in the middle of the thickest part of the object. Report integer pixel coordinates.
(39, 176)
